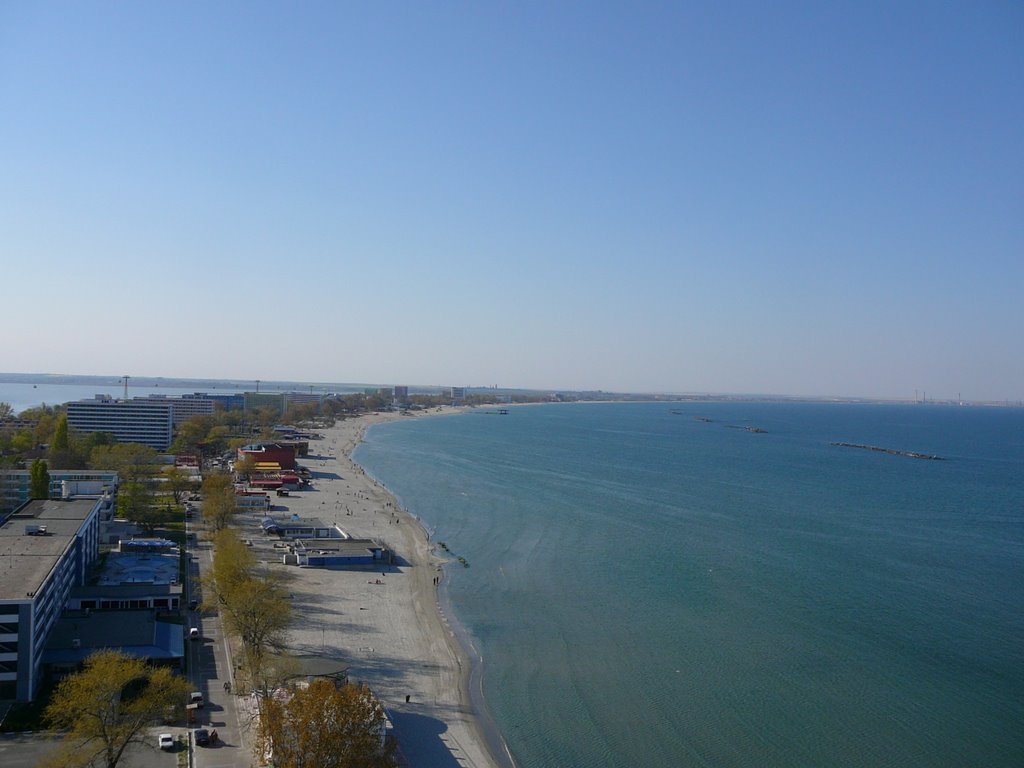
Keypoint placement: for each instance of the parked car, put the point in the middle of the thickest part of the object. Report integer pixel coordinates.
(166, 741)
(202, 737)
(193, 604)
(196, 698)
(193, 634)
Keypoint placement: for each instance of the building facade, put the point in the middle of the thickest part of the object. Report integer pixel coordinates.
(233, 402)
(183, 408)
(144, 420)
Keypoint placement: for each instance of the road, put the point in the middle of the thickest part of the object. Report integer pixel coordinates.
(210, 668)
(21, 750)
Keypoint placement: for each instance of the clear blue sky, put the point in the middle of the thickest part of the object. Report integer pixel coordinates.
(791, 198)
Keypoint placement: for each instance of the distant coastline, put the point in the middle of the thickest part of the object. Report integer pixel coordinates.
(113, 383)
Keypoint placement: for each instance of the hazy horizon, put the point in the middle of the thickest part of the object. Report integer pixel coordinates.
(188, 382)
(796, 199)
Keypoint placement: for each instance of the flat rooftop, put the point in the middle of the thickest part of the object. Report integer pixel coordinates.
(300, 522)
(342, 547)
(26, 561)
(140, 567)
(137, 633)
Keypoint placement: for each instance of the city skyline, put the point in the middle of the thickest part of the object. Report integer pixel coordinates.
(801, 200)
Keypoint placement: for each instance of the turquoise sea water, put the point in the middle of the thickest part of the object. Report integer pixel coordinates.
(649, 589)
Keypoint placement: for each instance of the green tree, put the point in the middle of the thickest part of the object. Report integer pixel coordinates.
(6, 412)
(137, 502)
(59, 441)
(23, 440)
(39, 480)
(62, 455)
(219, 504)
(133, 462)
(254, 605)
(191, 435)
(325, 726)
(216, 439)
(178, 483)
(109, 705)
(245, 466)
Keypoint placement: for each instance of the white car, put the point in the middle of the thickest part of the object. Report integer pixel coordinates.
(166, 741)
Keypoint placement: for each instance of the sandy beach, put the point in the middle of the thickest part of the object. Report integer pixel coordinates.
(386, 624)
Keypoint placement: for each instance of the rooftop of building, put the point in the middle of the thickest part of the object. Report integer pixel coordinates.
(339, 547)
(294, 521)
(127, 591)
(139, 568)
(27, 559)
(137, 633)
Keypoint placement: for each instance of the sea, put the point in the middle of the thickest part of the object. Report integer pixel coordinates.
(717, 584)
(23, 395)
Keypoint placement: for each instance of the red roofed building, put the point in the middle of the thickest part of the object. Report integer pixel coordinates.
(284, 455)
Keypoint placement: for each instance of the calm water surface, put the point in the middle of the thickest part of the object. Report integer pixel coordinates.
(650, 589)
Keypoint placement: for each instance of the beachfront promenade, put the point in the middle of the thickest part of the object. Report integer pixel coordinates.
(391, 634)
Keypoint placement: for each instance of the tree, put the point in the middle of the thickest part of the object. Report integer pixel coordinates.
(217, 439)
(325, 726)
(59, 441)
(23, 440)
(192, 434)
(178, 483)
(6, 412)
(133, 462)
(219, 504)
(258, 611)
(245, 466)
(253, 604)
(62, 455)
(39, 480)
(233, 563)
(136, 502)
(109, 705)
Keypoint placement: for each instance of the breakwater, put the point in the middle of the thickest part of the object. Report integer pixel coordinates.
(892, 451)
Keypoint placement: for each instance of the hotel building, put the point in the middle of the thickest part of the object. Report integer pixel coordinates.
(144, 420)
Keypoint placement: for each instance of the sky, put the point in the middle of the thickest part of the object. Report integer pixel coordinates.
(776, 198)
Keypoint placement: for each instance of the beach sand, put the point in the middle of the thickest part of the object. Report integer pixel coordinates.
(392, 634)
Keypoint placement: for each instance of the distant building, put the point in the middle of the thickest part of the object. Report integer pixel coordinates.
(274, 400)
(456, 394)
(401, 394)
(232, 402)
(46, 549)
(184, 408)
(130, 421)
(302, 398)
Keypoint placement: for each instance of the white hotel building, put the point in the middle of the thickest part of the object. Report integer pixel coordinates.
(130, 421)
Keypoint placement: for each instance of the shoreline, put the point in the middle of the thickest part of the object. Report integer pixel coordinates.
(419, 618)
(461, 643)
